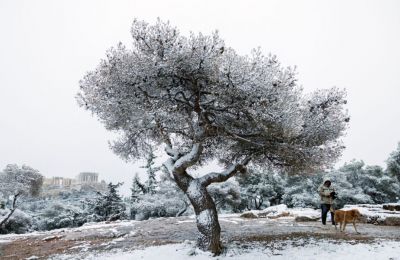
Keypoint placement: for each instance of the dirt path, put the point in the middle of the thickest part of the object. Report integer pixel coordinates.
(128, 235)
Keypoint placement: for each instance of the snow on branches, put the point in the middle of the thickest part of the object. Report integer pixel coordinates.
(16, 182)
(195, 92)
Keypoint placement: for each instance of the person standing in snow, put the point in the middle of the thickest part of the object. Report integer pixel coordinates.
(328, 194)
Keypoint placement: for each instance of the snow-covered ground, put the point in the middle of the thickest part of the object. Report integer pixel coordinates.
(291, 249)
(271, 233)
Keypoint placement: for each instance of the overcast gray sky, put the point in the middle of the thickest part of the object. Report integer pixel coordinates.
(47, 46)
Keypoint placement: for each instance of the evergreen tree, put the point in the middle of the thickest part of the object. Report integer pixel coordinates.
(151, 183)
(109, 206)
(137, 188)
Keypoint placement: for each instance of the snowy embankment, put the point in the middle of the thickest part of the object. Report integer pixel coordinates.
(386, 214)
(282, 211)
(289, 249)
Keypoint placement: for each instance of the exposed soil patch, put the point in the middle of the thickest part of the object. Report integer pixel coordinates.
(127, 236)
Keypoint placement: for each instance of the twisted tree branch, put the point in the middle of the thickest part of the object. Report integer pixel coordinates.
(214, 177)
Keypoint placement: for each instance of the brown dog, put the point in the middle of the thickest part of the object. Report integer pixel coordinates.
(346, 216)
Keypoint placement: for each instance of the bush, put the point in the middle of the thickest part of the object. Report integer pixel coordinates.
(60, 216)
(18, 223)
(157, 205)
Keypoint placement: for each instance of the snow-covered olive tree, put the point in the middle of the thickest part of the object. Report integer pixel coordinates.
(16, 182)
(204, 101)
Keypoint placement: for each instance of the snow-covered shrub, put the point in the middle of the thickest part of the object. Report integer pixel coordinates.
(261, 188)
(107, 206)
(18, 223)
(379, 185)
(366, 184)
(18, 183)
(226, 196)
(157, 205)
(167, 201)
(301, 191)
(68, 208)
(354, 183)
(393, 164)
(58, 215)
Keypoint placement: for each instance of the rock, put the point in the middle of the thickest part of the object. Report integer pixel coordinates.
(392, 207)
(376, 220)
(50, 238)
(248, 215)
(305, 218)
(392, 221)
(273, 211)
(283, 214)
(32, 258)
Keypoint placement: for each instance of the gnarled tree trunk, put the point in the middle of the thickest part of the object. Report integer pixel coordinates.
(205, 210)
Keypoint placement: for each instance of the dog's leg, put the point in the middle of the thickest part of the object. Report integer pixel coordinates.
(343, 221)
(340, 226)
(354, 224)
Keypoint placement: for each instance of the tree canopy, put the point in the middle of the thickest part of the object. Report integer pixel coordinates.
(20, 181)
(182, 91)
(17, 182)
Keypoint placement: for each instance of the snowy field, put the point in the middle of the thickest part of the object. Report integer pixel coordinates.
(245, 238)
(299, 249)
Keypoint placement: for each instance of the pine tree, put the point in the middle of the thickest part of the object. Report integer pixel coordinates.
(151, 183)
(137, 188)
(109, 206)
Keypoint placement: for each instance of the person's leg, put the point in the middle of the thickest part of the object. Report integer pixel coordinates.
(324, 211)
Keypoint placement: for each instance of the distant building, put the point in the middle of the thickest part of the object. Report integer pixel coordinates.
(58, 181)
(85, 181)
(88, 177)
